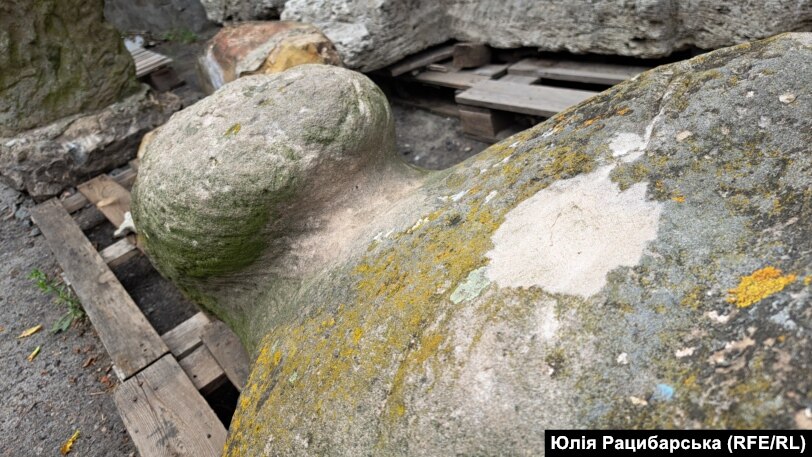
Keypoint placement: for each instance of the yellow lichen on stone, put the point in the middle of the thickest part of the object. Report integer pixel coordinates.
(758, 286)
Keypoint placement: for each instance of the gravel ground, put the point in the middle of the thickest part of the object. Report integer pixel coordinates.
(69, 386)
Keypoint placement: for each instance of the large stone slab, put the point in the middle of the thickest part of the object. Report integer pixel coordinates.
(259, 47)
(642, 259)
(58, 58)
(45, 160)
(371, 35)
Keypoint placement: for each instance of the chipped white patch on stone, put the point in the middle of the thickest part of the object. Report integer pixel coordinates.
(514, 144)
(502, 162)
(684, 135)
(622, 359)
(786, 98)
(490, 196)
(684, 352)
(567, 237)
(624, 144)
(749, 94)
(719, 319)
(456, 197)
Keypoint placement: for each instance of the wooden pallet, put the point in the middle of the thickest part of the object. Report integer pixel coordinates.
(147, 62)
(163, 376)
(488, 92)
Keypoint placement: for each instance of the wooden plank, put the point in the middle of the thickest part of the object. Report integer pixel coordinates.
(520, 79)
(455, 80)
(110, 197)
(166, 415)
(78, 201)
(126, 334)
(569, 70)
(203, 370)
(482, 123)
(470, 55)
(119, 252)
(421, 59)
(184, 338)
(437, 106)
(228, 351)
(520, 98)
(493, 70)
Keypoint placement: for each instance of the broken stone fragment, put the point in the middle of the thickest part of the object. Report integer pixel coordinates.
(46, 160)
(552, 281)
(261, 48)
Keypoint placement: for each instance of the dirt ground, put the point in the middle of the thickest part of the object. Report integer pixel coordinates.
(69, 385)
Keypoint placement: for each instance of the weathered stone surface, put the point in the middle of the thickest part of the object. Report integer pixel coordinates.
(241, 10)
(44, 161)
(260, 48)
(370, 35)
(156, 16)
(58, 58)
(643, 259)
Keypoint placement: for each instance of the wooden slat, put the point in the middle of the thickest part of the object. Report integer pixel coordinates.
(421, 59)
(521, 98)
(119, 252)
(437, 106)
(78, 201)
(166, 415)
(126, 334)
(482, 123)
(519, 79)
(493, 70)
(184, 338)
(228, 351)
(203, 370)
(470, 55)
(456, 80)
(110, 197)
(567, 70)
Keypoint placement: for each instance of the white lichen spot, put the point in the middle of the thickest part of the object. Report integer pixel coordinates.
(627, 144)
(719, 319)
(637, 401)
(490, 196)
(456, 197)
(684, 135)
(514, 144)
(750, 94)
(786, 98)
(567, 237)
(685, 352)
(417, 225)
(473, 285)
(622, 359)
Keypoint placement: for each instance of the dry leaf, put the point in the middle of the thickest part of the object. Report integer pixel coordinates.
(106, 202)
(68, 445)
(30, 331)
(89, 362)
(33, 355)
